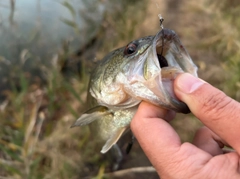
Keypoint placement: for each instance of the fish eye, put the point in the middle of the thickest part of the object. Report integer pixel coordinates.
(130, 48)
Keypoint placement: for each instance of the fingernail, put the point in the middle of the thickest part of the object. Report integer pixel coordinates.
(187, 83)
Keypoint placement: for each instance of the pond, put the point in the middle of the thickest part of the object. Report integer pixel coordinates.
(33, 33)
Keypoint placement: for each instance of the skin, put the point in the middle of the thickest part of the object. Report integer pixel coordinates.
(204, 157)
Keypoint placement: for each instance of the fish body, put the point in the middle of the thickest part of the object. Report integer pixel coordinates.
(144, 70)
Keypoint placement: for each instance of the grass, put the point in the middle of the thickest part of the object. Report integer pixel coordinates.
(227, 43)
(39, 104)
(35, 124)
(219, 34)
(38, 108)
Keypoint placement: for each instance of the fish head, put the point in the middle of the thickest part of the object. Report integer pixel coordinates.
(157, 68)
(143, 70)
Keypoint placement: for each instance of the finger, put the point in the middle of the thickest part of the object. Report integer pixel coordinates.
(217, 111)
(149, 129)
(160, 142)
(208, 141)
(151, 111)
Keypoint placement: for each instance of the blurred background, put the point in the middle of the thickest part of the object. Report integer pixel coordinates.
(47, 51)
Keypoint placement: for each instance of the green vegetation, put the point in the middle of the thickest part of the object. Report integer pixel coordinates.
(225, 42)
(39, 102)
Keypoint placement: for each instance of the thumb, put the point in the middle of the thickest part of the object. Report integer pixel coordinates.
(217, 111)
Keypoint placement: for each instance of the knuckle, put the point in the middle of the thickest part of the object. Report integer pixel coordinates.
(216, 105)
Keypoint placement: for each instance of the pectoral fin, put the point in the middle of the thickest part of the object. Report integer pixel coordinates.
(113, 139)
(91, 115)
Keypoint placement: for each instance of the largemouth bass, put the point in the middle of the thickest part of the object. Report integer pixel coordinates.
(143, 70)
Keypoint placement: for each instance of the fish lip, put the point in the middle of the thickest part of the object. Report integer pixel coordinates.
(167, 43)
(172, 45)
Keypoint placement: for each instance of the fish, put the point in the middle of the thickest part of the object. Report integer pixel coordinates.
(143, 70)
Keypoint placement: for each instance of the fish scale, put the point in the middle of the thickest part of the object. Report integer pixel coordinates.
(143, 70)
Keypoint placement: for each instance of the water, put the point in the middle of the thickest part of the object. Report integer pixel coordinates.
(43, 22)
(33, 32)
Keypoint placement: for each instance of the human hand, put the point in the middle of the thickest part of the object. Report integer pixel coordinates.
(205, 157)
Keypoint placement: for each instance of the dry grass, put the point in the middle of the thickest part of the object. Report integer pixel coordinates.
(35, 139)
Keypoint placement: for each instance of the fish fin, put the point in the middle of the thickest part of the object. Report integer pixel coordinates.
(91, 115)
(113, 139)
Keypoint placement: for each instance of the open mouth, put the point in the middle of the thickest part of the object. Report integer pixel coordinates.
(173, 59)
(166, 49)
(171, 53)
(162, 47)
(162, 61)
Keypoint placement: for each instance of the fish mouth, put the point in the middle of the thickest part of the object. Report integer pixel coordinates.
(171, 53)
(171, 58)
